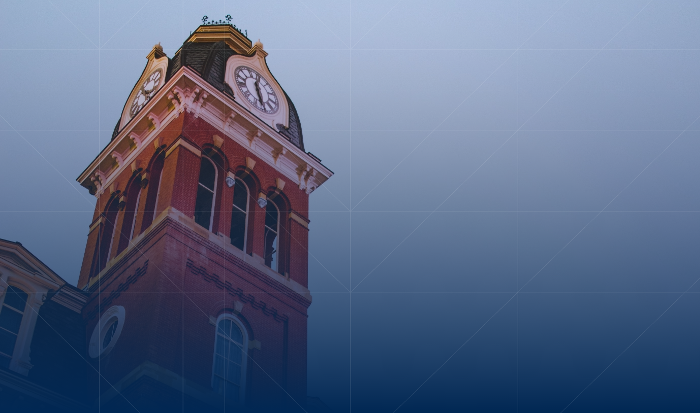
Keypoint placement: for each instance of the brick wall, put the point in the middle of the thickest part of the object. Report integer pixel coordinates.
(176, 276)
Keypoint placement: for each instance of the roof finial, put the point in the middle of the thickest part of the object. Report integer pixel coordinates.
(157, 52)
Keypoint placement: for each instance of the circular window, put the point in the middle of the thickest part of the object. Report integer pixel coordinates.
(106, 332)
(109, 333)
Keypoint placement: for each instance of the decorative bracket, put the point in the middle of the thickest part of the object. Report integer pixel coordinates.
(307, 179)
(155, 120)
(98, 179)
(277, 152)
(119, 157)
(136, 138)
(253, 136)
(174, 100)
(231, 119)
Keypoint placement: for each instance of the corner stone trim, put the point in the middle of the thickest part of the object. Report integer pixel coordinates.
(299, 219)
(184, 144)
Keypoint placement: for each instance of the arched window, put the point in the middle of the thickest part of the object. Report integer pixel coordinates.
(11, 314)
(106, 238)
(155, 180)
(206, 190)
(133, 198)
(239, 215)
(133, 220)
(230, 355)
(272, 229)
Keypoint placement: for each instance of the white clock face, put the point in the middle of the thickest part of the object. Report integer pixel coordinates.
(256, 90)
(147, 90)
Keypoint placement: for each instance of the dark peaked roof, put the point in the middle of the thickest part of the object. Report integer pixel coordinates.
(208, 59)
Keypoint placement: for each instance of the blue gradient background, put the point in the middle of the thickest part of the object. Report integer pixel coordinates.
(513, 224)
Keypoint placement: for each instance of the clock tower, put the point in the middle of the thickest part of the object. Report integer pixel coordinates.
(196, 264)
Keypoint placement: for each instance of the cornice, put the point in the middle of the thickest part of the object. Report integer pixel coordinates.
(214, 244)
(187, 91)
(39, 274)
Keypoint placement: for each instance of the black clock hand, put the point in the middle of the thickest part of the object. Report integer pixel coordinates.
(257, 89)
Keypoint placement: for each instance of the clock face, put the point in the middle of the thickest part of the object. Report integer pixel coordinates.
(256, 90)
(147, 90)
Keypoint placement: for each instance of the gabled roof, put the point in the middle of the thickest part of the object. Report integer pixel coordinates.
(14, 255)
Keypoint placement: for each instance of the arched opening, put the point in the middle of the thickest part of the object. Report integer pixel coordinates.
(133, 198)
(239, 215)
(206, 194)
(230, 356)
(272, 229)
(155, 181)
(106, 238)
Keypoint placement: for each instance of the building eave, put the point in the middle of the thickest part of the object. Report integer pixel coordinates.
(217, 109)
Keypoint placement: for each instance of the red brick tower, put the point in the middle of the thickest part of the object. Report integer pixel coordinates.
(196, 261)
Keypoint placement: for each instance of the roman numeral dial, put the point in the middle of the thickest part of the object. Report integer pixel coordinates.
(149, 88)
(256, 90)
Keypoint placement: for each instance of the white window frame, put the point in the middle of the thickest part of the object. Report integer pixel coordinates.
(275, 262)
(244, 348)
(247, 206)
(136, 212)
(20, 361)
(155, 204)
(95, 348)
(213, 199)
(114, 234)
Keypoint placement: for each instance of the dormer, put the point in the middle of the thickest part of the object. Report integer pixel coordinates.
(151, 80)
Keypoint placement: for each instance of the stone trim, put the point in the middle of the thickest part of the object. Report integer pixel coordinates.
(299, 219)
(95, 224)
(184, 144)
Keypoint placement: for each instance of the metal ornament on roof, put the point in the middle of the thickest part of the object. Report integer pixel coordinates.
(227, 20)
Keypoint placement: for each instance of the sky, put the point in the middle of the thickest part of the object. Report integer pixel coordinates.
(513, 223)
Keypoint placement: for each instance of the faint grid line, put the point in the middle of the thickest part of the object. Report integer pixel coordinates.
(373, 50)
(412, 211)
(501, 146)
(124, 25)
(375, 24)
(47, 161)
(185, 295)
(517, 216)
(74, 349)
(350, 232)
(516, 294)
(627, 348)
(608, 204)
(324, 24)
(99, 297)
(397, 130)
(453, 354)
(250, 198)
(455, 109)
(336, 198)
(71, 22)
(263, 292)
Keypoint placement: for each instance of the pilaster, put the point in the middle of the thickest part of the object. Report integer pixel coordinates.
(21, 362)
